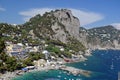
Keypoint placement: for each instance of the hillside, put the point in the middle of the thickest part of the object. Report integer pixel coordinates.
(62, 27)
(58, 32)
(59, 25)
(104, 37)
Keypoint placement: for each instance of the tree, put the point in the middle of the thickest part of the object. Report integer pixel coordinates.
(11, 64)
(2, 45)
(27, 62)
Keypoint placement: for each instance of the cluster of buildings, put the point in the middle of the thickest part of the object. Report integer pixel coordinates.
(19, 50)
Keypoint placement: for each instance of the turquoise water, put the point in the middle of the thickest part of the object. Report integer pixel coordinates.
(105, 65)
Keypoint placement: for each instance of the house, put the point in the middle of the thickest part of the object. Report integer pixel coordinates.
(40, 62)
(1, 60)
(87, 52)
(20, 44)
(46, 53)
(61, 49)
(9, 48)
(46, 45)
(75, 57)
(28, 48)
(32, 48)
(6, 35)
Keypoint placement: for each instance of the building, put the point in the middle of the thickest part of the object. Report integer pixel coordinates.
(40, 62)
(16, 50)
(46, 53)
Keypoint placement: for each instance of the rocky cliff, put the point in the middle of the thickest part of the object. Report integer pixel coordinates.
(63, 27)
(69, 22)
(58, 25)
(106, 37)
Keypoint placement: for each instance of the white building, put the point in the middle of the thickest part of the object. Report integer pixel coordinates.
(46, 53)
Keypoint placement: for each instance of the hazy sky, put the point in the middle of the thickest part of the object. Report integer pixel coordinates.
(91, 13)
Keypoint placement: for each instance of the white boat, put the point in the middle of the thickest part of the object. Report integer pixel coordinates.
(85, 64)
(59, 76)
(112, 66)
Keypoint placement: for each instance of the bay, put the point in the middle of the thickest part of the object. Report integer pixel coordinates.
(104, 64)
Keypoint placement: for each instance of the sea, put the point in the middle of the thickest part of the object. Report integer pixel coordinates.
(104, 64)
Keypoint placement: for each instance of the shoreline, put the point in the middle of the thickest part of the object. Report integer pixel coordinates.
(105, 48)
(74, 71)
(17, 73)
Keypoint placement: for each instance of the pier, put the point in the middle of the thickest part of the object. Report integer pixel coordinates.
(76, 71)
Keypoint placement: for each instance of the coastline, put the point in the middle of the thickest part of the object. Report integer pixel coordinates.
(12, 75)
(100, 48)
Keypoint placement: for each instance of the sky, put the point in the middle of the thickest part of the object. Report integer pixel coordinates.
(91, 13)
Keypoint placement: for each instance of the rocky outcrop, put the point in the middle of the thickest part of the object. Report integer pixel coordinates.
(66, 25)
(57, 25)
(106, 37)
(70, 23)
(62, 26)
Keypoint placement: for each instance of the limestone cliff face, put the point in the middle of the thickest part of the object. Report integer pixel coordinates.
(106, 37)
(70, 22)
(61, 25)
(57, 25)
(66, 25)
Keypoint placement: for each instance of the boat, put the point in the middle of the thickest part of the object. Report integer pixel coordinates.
(85, 64)
(65, 78)
(59, 76)
(112, 66)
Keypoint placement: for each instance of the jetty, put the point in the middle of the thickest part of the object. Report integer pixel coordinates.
(76, 71)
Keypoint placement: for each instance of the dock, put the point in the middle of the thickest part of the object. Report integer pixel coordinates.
(76, 71)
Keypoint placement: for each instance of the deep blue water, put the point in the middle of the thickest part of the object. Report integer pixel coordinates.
(105, 65)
